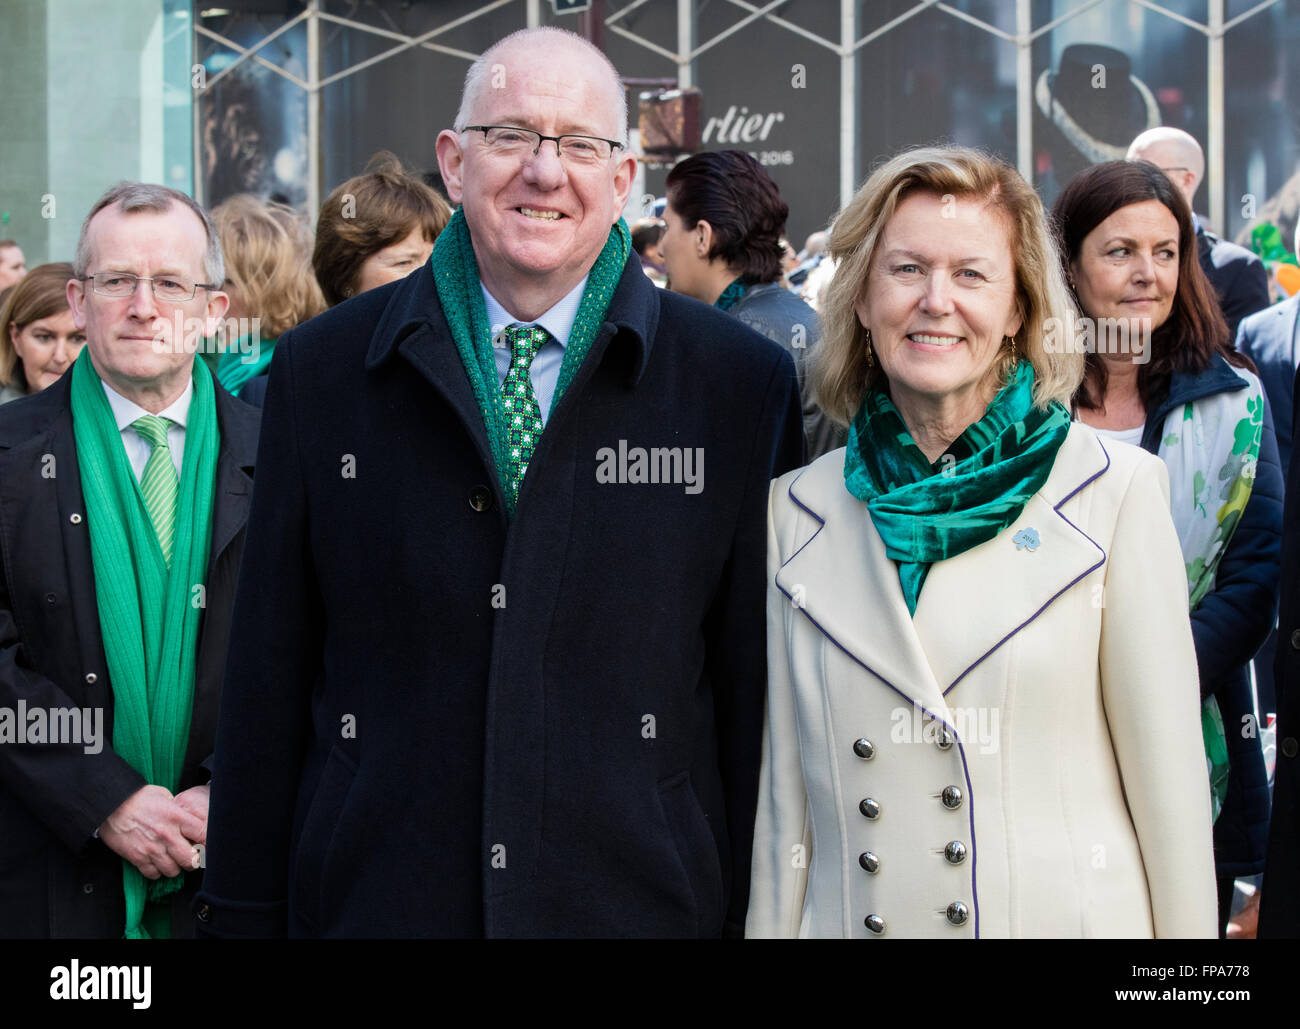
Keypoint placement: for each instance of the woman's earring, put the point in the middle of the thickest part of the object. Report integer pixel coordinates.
(871, 358)
(1011, 341)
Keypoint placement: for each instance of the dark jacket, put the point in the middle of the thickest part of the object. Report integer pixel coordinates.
(1237, 275)
(1271, 338)
(784, 318)
(254, 391)
(56, 879)
(441, 723)
(1232, 622)
(1279, 914)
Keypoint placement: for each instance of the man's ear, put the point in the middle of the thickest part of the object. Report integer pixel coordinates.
(624, 176)
(218, 303)
(76, 291)
(451, 160)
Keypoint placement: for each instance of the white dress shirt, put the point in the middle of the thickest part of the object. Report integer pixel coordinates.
(545, 369)
(137, 448)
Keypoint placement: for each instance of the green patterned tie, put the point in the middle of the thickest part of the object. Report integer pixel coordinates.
(523, 415)
(158, 482)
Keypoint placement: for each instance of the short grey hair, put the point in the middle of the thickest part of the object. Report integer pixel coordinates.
(133, 197)
(540, 38)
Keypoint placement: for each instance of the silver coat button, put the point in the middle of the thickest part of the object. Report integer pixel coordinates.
(944, 742)
(870, 808)
(865, 749)
(91, 678)
(955, 852)
(957, 913)
(875, 924)
(869, 862)
(75, 519)
(951, 797)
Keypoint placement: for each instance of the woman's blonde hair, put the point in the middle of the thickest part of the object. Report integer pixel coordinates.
(840, 370)
(267, 248)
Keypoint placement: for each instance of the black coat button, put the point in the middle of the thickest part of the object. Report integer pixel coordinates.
(51, 599)
(87, 887)
(480, 498)
(204, 913)
(1295, 639)
(1289, 747)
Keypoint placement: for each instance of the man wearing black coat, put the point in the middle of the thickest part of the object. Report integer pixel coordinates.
(1237, 275)
(501, 662)
(74, 812)
(1279, 912)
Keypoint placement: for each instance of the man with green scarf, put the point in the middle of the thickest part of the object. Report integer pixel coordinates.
(123, 495)
(500, 669)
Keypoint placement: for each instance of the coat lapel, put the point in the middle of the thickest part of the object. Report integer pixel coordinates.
(237, 424)
(970, 605)
(973, 603)
(849, 588)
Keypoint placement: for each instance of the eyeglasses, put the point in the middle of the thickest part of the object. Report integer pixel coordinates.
(509, 141)
(171, 288)
(1175, 168)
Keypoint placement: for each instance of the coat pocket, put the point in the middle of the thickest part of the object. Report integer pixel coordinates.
(697, 850)
(317, 837)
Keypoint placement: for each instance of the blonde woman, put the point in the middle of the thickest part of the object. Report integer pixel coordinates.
(267, 248)
(983, 714)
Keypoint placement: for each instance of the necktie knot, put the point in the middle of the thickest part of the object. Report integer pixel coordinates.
(152, 428)
(525, 341)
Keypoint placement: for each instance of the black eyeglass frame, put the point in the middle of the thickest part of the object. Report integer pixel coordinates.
(541, 138)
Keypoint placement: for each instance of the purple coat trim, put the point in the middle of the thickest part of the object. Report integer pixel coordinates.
(1051, 600)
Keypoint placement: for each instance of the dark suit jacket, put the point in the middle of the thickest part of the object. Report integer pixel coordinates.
(1237, 275)
(1271, 338)
(1279, 914)
(56, 879)
(438, 723)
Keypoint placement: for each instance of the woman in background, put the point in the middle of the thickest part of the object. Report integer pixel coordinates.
(267, 248)
(1163, 375)
(377, 227)
(38, 339)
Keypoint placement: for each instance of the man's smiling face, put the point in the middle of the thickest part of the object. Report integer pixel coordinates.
(536, 221)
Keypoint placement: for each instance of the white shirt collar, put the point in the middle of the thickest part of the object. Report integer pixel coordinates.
(125, 412)
(558, 321)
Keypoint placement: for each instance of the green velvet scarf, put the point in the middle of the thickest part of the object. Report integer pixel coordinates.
(926, 513)
(149, 615)
(233, 370)
(455, 273)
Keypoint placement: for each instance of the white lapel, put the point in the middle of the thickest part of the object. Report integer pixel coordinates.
(973, 603)
(970, 605)
(849, 588)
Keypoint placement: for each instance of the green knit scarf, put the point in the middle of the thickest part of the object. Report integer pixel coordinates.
(926, 513)
(149, 616)
(455, 272)
(233, 371)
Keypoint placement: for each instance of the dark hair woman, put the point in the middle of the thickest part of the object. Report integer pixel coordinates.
(725, 219)
(1161, 374)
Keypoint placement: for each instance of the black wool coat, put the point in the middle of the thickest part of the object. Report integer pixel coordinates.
(1279, 911)
(441, 723)
(56, 878)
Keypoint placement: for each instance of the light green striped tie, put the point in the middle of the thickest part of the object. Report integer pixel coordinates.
(158, 482)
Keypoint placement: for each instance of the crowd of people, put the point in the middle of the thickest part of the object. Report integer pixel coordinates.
(495, 568)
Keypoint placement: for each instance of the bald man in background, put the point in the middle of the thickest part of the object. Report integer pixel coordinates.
(1237, 275)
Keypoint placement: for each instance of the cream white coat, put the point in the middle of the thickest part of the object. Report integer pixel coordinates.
(1065, 678)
